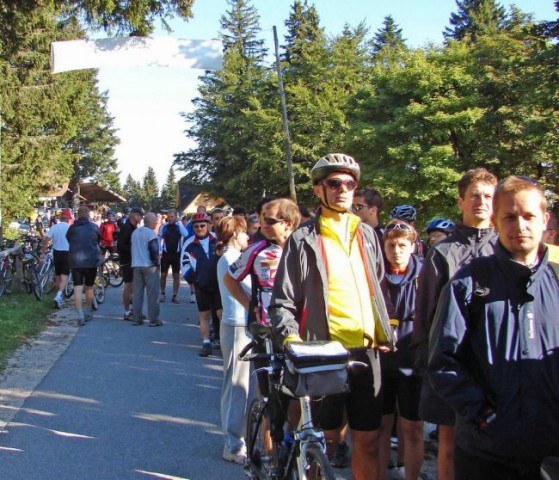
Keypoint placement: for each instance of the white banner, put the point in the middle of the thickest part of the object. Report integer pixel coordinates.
(136, 51)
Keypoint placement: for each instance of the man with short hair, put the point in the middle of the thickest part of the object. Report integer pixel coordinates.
(327, 287)
(367, 205)
(125, 254)
(171, 237)
(494, 343)
(216, 216)
(145, 264)
(60, 247)
(473, 237)
(551, 233)
(83, 239)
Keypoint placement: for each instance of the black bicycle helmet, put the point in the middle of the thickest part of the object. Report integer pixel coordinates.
(440, 225)
(404, 212)
(335, 162)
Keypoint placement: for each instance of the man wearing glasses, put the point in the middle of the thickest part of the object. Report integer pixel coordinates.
(473, 237)
(367, 205)
(328, 288)
(202, 272)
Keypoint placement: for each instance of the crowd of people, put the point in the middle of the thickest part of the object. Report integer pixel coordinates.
(460, 330)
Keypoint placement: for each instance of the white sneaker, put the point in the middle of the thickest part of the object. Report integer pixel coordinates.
(192, 298)
(228, 455)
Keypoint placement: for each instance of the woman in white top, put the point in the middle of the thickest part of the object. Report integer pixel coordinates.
(237, 387)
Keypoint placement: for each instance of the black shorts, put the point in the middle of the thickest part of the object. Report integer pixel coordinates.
(402, 392)
(60, 261)
(172, 260)
(106, 248)
(84, 276)
(207, 299)
(127, 273)
(362, 406)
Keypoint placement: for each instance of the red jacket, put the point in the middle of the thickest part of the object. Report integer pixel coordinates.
(107, 230)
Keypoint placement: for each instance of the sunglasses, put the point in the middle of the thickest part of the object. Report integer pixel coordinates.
(273, 221)
(336, 183)
(199, 225)
(253, 219)
(398, 226)
(357, 207)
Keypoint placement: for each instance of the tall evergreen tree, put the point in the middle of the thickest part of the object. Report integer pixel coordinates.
(389, 36)
(169, 191)
(151, 201)
(229, 160)
(132, 191)
(476, 17)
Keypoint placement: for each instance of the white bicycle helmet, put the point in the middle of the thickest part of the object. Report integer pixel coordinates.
(335, 162)
(440, 225)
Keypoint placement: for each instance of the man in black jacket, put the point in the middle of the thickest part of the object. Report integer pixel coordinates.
(83, 237)
(494, 348)
(474, 237)
(124, 247)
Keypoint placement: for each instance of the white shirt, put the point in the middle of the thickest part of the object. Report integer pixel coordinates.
(57, 233)
(234, 313)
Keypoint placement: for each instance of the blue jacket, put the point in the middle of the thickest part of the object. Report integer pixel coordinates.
(202, 270)
(402, 296)
(509, 358)
(83, 237)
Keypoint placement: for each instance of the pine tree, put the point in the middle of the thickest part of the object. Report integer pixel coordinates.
(474, 18)
(169, 191)
(389, 37)
(132, 191)
(151, 202)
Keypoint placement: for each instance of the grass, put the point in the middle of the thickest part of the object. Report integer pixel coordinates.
(21, 317)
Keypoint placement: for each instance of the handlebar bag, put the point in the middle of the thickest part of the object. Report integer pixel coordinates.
(316, 368)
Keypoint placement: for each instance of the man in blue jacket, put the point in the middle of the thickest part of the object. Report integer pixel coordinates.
(494, 345)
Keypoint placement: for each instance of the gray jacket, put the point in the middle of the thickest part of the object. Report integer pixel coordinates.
(300, 296)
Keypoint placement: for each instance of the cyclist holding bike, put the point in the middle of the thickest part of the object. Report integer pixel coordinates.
(328, 288)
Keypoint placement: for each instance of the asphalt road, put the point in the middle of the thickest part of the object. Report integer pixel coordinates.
(114, 401)
(123, 402)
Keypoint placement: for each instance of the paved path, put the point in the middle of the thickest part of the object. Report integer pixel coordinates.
(113, 401)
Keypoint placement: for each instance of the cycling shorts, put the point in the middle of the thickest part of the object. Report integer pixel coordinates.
(362, 406)
(60, 261)
(206, 299)
(127, 273)
(172, 260)
(401, 392)
(84, 276)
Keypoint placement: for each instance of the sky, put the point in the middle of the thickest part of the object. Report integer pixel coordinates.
(147, 102)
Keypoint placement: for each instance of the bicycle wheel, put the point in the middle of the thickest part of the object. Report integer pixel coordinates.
(99, 288)
(26, 273)
(47, 280)
(316, 465)
(115, 277)
(262, 452)
(69, 289)
(36, 284)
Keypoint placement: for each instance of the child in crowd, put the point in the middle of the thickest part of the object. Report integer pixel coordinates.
(400, 388)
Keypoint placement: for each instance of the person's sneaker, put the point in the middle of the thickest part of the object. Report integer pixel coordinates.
(175, 299)
(341, 456)
(58, 303)
(162, 298)
(206, 350)
(192, 298)
(216, 344)
(157, 323)
(81, 322)
(128, 316)
(89, 316)
(230, 456)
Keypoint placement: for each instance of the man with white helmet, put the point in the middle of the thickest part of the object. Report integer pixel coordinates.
(328, 288)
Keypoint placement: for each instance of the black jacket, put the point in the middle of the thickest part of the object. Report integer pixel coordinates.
(509, 357)
(83, 237)
(124, 245)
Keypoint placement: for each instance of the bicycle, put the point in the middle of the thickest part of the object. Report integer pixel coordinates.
(30, 271)
(274, 453)
(8, 266)
(98, 289)
(111, 271)
(46, 272)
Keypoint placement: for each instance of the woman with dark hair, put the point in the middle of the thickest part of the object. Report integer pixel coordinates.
(232, 239)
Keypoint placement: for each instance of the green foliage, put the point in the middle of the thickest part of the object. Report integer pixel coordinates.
(150, 200)
(169, 191)
(388, 37)
(132, 191)
(474, 18)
